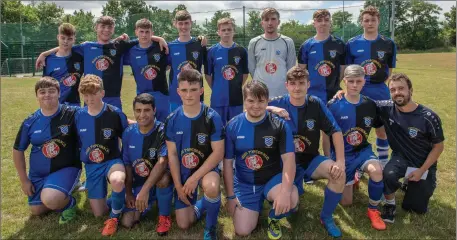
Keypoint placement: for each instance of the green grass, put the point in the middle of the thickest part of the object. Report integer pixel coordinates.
(433, 77)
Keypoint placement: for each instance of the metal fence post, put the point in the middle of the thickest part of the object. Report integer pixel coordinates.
(33, 57)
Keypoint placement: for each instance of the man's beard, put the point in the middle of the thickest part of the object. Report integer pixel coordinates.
(405, 101)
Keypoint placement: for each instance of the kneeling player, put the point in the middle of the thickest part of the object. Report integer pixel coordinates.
(258, 141)
(356, 115)
(100, 125)
(308, 116)
(145, 157)
(54, 165)
(195, 142)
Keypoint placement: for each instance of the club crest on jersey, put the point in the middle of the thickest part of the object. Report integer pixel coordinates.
(354, 138)
(107, 132)
(112, 52)
(50, 149)
(332, 53)
(236, 59)
(268, 141)
(271, 68)
(278, 52)
(413, 132)
(141, 169)
(156, 57)
(299, 145)
(69, 80)
(64, 129)
(152, 153)
(150, 73)
(190, 160)
(310, 124)
(254, 162)
(367, 121)
(228, 73)
(201, 137)
(96, 155)
(381, 54)
(195, 55)
(102, 64)
(77, 66)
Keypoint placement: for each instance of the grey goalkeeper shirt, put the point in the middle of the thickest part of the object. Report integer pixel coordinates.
(269, 61)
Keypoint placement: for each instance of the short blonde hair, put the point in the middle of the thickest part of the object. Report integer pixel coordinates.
(90, 84)
(297, 73)
(143, 23)
(354, 71)
(373, 11)
(321, 13)
(67, 29)
(46, 82)
(269, 11)
(225, 21)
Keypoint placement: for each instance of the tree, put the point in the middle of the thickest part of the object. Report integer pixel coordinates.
(49, 13)
(114, 9)
(211, 27)
(83, 22)
(340, 18)
(401, 7)
(298, 32)
(449, 26)
(253, 25)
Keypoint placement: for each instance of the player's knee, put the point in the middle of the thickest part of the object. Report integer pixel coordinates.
(389, 176)
(211, 187)
(164, 181)
(184, 225)
(376, 174)
(117, 183)
(52, 199)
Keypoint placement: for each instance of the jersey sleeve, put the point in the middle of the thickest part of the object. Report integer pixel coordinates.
(343, 55)
(244, 61)
(349, 59)
(169, 132)
(123, 118)
(126, 58)
(204, 53)
(163, 151)
(292, 58)
(286, 141)
(303, 54)
(218, 132)
(125, 149)
(434, 128)
(251, 57)
(79, 48)
(327, 122)
(229, 143)
(22, 138)
(392, 61)
(209, 68)
(125, 46)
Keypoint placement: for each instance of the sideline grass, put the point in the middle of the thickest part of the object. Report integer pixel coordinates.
(433, 77)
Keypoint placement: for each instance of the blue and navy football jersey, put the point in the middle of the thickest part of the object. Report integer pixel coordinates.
(257, 147)
(323, 59)
(355, 121)
(54, 141)
(99, 135)
(193, 137)
(411, 134)
(375, 56)
(105, 61)
(142, 151)
(149, 66)
(68, 71)
(227, 67)
(306, 123)
(184, 54)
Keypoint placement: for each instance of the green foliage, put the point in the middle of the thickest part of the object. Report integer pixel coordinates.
(449, 27)
(253, 26)
(298, 32)
(211, 27)
(341, 18)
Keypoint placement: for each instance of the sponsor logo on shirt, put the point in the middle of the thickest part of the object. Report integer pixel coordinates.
(69, 80)
(138, 57)
(360, 50)
(313, 52)
(102, 62)
(176, 54)
(190, 160)
(130, 146)
(344, 117)
(180, 132)
(239, 137)
(141, 168)
(299, 145)
(50, 149)
(96, 155)
(229, 72)
(82, 130)
(57, 69)
(254, 159)
(37, 131)
(271, 68)
(370, 66)
(354, 138)
(219, 58)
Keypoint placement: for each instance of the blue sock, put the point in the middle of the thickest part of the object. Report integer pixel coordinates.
(109, 202)
(375, 190)
(199, 209)
(164, 198)
(70, 204)
(331, 200)
(117, 203)
(382, 147)
(212, 206)
(272, 215)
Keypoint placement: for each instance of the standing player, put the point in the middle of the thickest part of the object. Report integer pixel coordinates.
(262, 146)
(324, 57)
(227, 72)
(186, 52)
(100, 125)
(356, 115)
(308, 116)
(377, 55)
(195, 142)
(66, 66)
(145, 157)
(271, 54)
(54, 165)
(104, 58)
(149, 66)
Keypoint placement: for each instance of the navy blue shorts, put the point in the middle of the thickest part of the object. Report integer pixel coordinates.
(152, 198)
(162, 103)
(376, 91)
(115, 101)
(358, 161)
(304, 175)
(228, 112)
(63, 180)
(97, 178)
(252, 196)
(180, 204)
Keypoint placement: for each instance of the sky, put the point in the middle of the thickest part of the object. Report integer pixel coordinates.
(200, 10)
